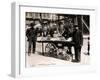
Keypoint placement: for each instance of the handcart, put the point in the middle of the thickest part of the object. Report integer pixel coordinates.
(56, 47)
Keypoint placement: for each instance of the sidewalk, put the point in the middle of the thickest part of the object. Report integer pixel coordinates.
(36, 60)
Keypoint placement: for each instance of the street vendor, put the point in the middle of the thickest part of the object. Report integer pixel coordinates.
(52, 29)
(45, 29)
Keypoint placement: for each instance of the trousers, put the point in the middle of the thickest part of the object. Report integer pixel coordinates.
(77, 53)
(31, 46)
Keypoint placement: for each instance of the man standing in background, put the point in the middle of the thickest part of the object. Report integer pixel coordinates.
(78, 42)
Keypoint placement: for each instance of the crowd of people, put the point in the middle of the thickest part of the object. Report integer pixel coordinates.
(65, 28)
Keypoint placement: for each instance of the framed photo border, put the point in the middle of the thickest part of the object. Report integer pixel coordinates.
(15, 42)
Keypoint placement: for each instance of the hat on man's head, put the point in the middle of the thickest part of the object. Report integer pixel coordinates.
(76, 26)
(31, 24)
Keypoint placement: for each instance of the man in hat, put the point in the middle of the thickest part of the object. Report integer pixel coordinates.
(31, 38)
(78, 42)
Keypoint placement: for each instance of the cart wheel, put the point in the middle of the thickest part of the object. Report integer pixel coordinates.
(67, 57)
(63, 55)
(50, 50)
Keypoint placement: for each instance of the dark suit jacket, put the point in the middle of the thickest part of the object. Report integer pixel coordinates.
(31, 34)
(77, 38)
